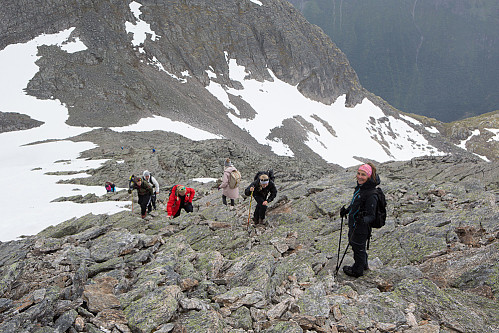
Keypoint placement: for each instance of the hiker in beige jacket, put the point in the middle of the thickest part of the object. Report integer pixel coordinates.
(227, 191)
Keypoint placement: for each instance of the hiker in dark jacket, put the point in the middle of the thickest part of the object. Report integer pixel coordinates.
(264, 191)
(144, 190)
(361, 213)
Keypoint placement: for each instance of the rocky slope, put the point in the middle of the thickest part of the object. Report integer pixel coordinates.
(10, 121)
(433, 267)
(479, 133)
(114, 82)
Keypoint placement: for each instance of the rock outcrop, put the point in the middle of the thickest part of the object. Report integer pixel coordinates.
(10, 121)
(433, 267)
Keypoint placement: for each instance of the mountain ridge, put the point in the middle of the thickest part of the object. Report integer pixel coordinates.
(116, 79)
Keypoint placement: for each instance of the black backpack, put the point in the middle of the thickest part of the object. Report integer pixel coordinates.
(150, 180)
(380, 218)
(269, 173)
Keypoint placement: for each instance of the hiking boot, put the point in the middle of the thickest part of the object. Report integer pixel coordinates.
(260, 221)
(255, 219)
(232, 208)
(348, 271)
(143, 216)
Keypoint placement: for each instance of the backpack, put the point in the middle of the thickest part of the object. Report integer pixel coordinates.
(131, 181)
(234, 179)
(150, 180)
(110, 187)
(269, 173)
(380, 218)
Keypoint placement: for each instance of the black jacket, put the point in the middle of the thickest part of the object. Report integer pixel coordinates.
(262, 192)
(362, 209)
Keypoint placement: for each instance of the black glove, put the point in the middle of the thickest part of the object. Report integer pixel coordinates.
(343, 212)
(129, 191)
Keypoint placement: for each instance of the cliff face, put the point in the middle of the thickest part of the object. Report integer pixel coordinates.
(115, 82)
(432, 267)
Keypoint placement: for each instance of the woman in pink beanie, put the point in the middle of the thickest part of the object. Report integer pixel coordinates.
(361, 213)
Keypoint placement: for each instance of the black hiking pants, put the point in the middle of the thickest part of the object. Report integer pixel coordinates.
(260, 209)
(187, 206)
(358, 243)
(144, 201)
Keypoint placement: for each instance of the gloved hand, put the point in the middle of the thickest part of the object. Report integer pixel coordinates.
(343, 212)
(129, 191)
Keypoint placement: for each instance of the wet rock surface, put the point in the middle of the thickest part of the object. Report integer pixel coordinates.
(432, 267)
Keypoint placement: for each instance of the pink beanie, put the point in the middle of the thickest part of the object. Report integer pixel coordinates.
(367, 169)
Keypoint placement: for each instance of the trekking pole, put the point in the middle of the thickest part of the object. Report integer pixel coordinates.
(249, 210)
(339, 247)
(132, 200)
(344, 253)
(343, 257)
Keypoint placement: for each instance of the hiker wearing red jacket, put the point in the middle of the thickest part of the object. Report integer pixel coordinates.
(180, 197)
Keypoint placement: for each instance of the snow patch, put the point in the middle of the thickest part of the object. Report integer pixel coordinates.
(342, 132)
(140, 29)
(495, 131)
(29, 163)
(204, 180)
(157, 123)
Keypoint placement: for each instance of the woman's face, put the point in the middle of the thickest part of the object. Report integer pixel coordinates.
(361, 177)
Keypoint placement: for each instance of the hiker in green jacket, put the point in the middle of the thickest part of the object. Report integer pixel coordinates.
(145, 192)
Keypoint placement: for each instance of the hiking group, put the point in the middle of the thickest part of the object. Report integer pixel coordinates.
(262, 189)
(367, 208)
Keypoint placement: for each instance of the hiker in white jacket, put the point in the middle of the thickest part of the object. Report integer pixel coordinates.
(155, 187)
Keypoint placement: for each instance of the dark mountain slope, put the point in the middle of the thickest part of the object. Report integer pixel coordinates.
(433, 58)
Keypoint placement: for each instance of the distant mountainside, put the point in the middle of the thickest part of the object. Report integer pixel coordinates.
(433, 58)
(254, 72)
(479, 134)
